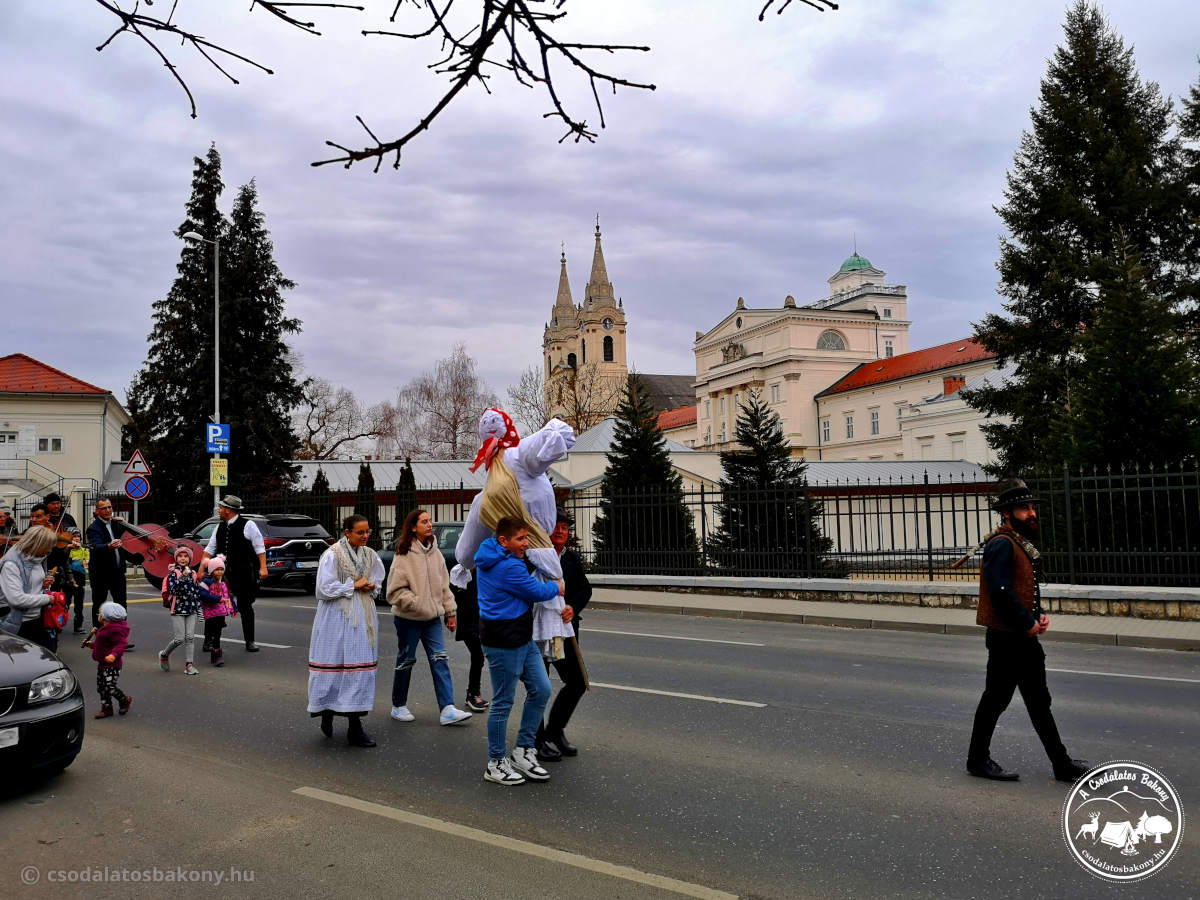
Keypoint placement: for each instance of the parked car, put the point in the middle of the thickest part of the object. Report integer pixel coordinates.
(445, 533)
(294, 546)
(41, 710)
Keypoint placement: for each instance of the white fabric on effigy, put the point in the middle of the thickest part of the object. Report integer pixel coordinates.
(343, 654)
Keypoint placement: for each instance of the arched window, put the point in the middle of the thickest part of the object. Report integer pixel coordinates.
(831, 340)
(583, 347)
(571, 361)
(608, 349)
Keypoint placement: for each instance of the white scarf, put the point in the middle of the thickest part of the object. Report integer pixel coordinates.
(354, 563)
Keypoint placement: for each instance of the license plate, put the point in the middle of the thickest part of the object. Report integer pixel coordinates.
(308, 564)
(9, 736)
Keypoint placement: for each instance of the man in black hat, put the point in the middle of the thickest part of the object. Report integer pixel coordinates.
(240, 542)
(1010, 607)
(59, 560)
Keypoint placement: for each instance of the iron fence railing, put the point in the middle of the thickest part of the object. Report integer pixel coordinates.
(1130, 526)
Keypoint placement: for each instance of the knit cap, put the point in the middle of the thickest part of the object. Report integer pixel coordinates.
(113, 612)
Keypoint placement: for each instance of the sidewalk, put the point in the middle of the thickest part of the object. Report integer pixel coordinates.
(1124, 631)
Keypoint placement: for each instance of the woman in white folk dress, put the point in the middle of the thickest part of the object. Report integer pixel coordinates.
(343, 654)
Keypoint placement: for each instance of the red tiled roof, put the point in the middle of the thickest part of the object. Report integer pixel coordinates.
(906, 365)
(676, 418)
(21, 374)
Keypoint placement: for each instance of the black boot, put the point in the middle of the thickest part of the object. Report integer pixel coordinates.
(327, 723)
(990, 769)
(355, 736)
(564, 746)
(1069, 770)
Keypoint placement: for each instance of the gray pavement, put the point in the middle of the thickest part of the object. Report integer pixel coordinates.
(1116, 630)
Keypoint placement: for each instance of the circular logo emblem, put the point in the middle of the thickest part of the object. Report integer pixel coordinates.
(1122, 821)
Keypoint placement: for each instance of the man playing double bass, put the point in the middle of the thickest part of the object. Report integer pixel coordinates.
(240, 542)
(106, 568)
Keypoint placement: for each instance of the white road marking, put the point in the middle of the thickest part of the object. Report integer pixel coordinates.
(1125, 675)
(518, 846)
(672, 637)
(300, 606)
(640, 690)
(200, 637)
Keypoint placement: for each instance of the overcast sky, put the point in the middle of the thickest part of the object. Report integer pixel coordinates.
(765, 150)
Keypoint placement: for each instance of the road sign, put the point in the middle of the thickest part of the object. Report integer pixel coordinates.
(217, 437)
(218, 472)
(137, 487)
(137, 464)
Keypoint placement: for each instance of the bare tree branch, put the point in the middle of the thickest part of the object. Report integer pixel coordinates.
(437, 413)
(330, 422)
(528, 402)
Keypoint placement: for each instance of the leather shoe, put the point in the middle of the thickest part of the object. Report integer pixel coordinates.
(989, 768)
(1069, 770)
(547, 752)
(564, 746)
(251, 647)
(360, 739)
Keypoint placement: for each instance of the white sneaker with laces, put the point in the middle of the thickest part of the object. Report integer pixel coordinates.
(452, 715)
(524, 760)
(401, 714)
(501, 772)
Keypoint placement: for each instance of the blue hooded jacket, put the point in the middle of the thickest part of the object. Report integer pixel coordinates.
(507, 593)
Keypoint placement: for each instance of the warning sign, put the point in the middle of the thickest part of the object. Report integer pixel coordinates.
(137, 465)
(218, 472)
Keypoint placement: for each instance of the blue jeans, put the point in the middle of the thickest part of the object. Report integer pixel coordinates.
(507, 664)
(429, 633)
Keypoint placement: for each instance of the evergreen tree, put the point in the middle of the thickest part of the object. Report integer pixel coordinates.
(255, 359)
(1189, 131)
(406, 494)
(643, 524)
(365, 502)
(1097, 164)
(171, 396)
(768, 521)
(323, 510)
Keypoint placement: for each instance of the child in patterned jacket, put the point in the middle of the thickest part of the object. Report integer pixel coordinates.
(183, 597)
(214, 595)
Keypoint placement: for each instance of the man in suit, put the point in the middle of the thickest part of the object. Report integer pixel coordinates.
(240, 542)
(106, 568)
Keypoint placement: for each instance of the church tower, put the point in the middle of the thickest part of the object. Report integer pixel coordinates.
(583, 347)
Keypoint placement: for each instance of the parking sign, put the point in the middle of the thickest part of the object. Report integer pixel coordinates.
(217, 437)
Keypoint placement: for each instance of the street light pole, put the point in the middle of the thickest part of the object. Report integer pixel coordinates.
(216, 242)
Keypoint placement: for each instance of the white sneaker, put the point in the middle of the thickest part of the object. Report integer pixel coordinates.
(401, 714)
(524, 760)
(501, 772)
(451, 715)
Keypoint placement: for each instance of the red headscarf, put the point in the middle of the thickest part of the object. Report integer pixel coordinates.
(497, 431)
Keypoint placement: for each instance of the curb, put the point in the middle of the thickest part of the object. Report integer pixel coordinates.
(1073, 637)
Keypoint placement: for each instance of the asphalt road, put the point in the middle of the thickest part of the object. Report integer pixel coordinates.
(837, 773)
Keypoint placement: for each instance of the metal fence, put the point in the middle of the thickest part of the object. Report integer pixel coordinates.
(1124, 526)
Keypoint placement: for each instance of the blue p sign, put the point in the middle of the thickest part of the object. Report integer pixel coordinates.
(217, 438)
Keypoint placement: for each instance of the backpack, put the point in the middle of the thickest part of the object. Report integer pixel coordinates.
(56, 613)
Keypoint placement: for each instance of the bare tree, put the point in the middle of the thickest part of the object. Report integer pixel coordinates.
(330, 423)
(584, 396)
(437, 413)
(528, 402)
(476, 38)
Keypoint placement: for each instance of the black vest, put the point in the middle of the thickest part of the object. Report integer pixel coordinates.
(241, 562)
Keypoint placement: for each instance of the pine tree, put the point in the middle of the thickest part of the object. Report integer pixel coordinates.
(365, 502)
(171, 395)
(1189, 132)
(1098, 163)
(643, 524)
(768, 520)
(406, 493)
(255, 358)
(323, 511)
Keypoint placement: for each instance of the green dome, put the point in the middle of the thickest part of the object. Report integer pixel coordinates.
(854, 263)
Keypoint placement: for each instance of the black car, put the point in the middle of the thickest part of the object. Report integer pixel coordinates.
(445, 533)
(294, 546)
(41, 710)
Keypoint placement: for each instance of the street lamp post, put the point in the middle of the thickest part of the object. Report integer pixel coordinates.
(216, 242)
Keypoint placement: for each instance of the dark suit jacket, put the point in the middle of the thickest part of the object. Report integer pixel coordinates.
(104, 560)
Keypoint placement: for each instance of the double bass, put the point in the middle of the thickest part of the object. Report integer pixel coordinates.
(154, 548)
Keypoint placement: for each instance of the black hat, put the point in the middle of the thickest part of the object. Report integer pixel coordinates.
(1011, 492)
(52, 497)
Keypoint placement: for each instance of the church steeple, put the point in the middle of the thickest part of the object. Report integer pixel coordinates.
(564, 300)
(599, 288)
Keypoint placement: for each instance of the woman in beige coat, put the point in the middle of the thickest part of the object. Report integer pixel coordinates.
(418, 590)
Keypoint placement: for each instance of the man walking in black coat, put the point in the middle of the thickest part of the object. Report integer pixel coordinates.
(240, 542)
(106, 567)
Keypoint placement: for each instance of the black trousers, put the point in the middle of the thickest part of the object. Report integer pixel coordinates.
(34, 630)
(1015, 662)
(569, 695)
(475, 672)
(104, 585)
(245, 592)
(76, 596)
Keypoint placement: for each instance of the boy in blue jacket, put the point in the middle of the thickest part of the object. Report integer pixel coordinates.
(507, 592)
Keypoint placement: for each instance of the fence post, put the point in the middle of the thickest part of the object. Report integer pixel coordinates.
(1070, 524)
(928, 529)
(703, 530)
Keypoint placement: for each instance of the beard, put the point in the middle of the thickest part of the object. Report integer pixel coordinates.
(1027, 528)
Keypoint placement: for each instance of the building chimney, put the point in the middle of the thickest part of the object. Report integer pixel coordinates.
(952, 383)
